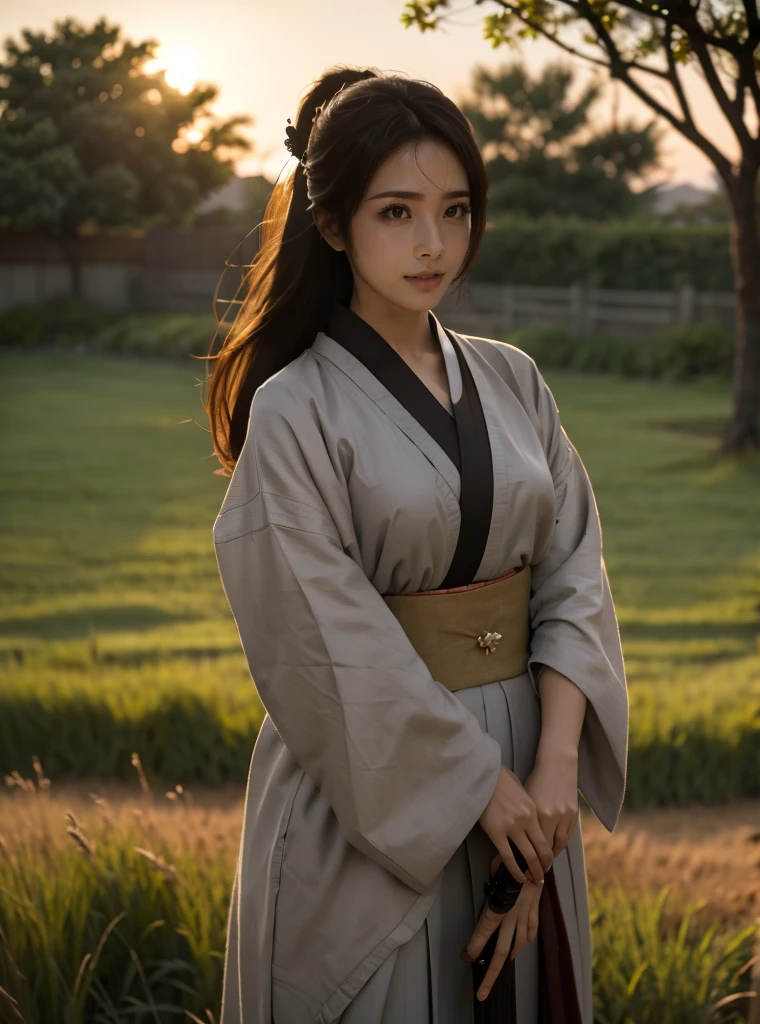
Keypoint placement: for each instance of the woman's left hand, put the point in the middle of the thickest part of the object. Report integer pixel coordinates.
(553, 787)
(517, 928)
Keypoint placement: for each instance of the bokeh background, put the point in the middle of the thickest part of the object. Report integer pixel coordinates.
(138, 147)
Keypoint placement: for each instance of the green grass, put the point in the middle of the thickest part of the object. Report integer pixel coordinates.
(115, 632)
(107, 500)
(648, 973)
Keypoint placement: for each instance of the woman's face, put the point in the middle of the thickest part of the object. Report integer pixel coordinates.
(414, 217)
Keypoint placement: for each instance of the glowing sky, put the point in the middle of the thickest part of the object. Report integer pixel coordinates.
(263, 54)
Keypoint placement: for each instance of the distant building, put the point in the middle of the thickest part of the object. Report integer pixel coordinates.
(666, 199)
(233, 195)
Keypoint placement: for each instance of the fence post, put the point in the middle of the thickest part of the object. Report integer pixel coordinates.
(685, 304)
(578, 308)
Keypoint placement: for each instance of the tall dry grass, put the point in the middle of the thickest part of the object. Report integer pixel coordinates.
(113, 907)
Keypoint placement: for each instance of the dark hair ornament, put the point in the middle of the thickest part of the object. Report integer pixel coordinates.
(296, 143)
(297, 140)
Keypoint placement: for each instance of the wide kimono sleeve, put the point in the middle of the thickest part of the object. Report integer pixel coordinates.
(573, 620)
(403, 763)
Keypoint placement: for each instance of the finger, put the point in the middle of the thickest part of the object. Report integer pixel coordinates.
(499, 958)
(560, 842)
(565, 829)
(488, 923)
(508, 859)
(548, 824)
(521, 935)
(495, 862)
(533, 924)
(542, 847)
(528, 850)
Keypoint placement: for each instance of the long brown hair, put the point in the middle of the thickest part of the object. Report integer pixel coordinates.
(353, 118)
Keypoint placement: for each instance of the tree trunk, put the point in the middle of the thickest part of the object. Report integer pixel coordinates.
(743, 429)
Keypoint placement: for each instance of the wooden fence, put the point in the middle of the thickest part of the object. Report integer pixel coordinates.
(494, 310)
(172, 270)
(177, 270)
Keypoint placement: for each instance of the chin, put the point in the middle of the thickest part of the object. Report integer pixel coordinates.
(405, 298)
(422, 300)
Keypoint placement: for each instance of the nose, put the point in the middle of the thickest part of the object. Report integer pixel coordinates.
(430, 240)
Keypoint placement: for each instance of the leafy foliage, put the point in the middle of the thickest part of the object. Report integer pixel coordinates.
(644, 45)
(88, 137)
(158, 334)
(542, 153)
(63, 321)
(675, 353)
(76, 323)
(631, 255)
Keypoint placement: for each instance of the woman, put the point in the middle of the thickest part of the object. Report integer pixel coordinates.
(378, 461)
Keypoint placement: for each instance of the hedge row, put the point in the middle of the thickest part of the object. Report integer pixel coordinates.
(67, 322)
(196, 722)
(675, 353)
(77, 324)
(630, 255)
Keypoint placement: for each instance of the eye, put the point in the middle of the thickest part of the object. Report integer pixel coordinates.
(396, 206)
(459, 206)
(387, 212)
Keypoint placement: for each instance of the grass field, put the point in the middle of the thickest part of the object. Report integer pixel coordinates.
(116, 903)
(111, 609)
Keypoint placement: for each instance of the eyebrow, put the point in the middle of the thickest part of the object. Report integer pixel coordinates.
(397, 194)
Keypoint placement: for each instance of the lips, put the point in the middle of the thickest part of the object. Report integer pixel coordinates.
(425, 284)
(423, 277)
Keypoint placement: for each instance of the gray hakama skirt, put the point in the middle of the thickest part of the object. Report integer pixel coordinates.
(425, 981)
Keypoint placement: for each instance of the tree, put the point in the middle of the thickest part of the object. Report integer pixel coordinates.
(646, 45)
(88, 138)
(545, 156)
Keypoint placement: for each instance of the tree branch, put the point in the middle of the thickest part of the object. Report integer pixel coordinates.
(748, 79)
(753, 20)
(564, 46)
(729, 108)
(620, 69)
(573, 51)
(675, 80)
(678, 12)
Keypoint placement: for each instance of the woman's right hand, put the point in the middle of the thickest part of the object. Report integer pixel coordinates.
(511, 814)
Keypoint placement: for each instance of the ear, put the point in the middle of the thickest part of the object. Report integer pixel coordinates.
(327, 229)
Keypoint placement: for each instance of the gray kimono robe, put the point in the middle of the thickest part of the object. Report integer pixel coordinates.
(362, 862)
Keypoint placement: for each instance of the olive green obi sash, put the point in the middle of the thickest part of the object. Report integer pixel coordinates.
(471, 635)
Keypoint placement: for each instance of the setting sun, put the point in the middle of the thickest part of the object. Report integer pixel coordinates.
(179, 63)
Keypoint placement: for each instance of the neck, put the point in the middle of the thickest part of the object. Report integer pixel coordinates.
(406, 331)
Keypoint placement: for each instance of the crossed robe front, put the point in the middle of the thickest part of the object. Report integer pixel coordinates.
(361, 861)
